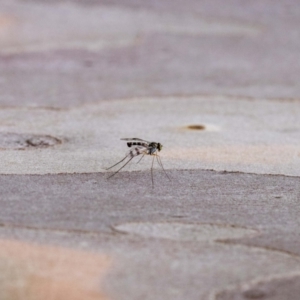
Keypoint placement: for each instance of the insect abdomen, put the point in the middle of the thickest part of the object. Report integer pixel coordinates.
(129, 144)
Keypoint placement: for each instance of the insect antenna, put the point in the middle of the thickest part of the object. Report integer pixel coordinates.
(120, 168)
(160, 163)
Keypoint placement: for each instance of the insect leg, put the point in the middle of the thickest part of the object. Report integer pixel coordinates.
(160, 163)
(120, 168)
(152, 172)
(141, 158)
(118, 162)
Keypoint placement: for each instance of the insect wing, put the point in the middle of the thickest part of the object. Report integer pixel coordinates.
(135, 139)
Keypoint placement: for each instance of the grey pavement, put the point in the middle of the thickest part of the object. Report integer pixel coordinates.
(216, 83)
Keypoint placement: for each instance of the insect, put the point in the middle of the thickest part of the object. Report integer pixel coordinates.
(141, 147)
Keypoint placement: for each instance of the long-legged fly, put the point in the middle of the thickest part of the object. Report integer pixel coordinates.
(141, 147)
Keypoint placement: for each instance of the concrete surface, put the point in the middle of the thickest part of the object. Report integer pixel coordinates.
(248, 135)
(216, 83)
(33, 272)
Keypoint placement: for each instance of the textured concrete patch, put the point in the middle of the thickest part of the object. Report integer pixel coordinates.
(185, 232)
(14, 141)
(65, 55)
(5, 21)
(287, 287)
(257, 136)
(91, 203)
(36, 272)
(78, 211)
(61, 26)
(191, 272)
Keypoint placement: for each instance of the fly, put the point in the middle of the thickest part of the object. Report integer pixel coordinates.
(141, 147)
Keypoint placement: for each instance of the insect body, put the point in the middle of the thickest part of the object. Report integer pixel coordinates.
(141, 147)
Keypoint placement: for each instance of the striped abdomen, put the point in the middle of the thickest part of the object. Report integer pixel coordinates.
(130, 144)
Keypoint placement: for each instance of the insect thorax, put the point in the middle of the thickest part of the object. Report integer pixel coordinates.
(154, 146)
